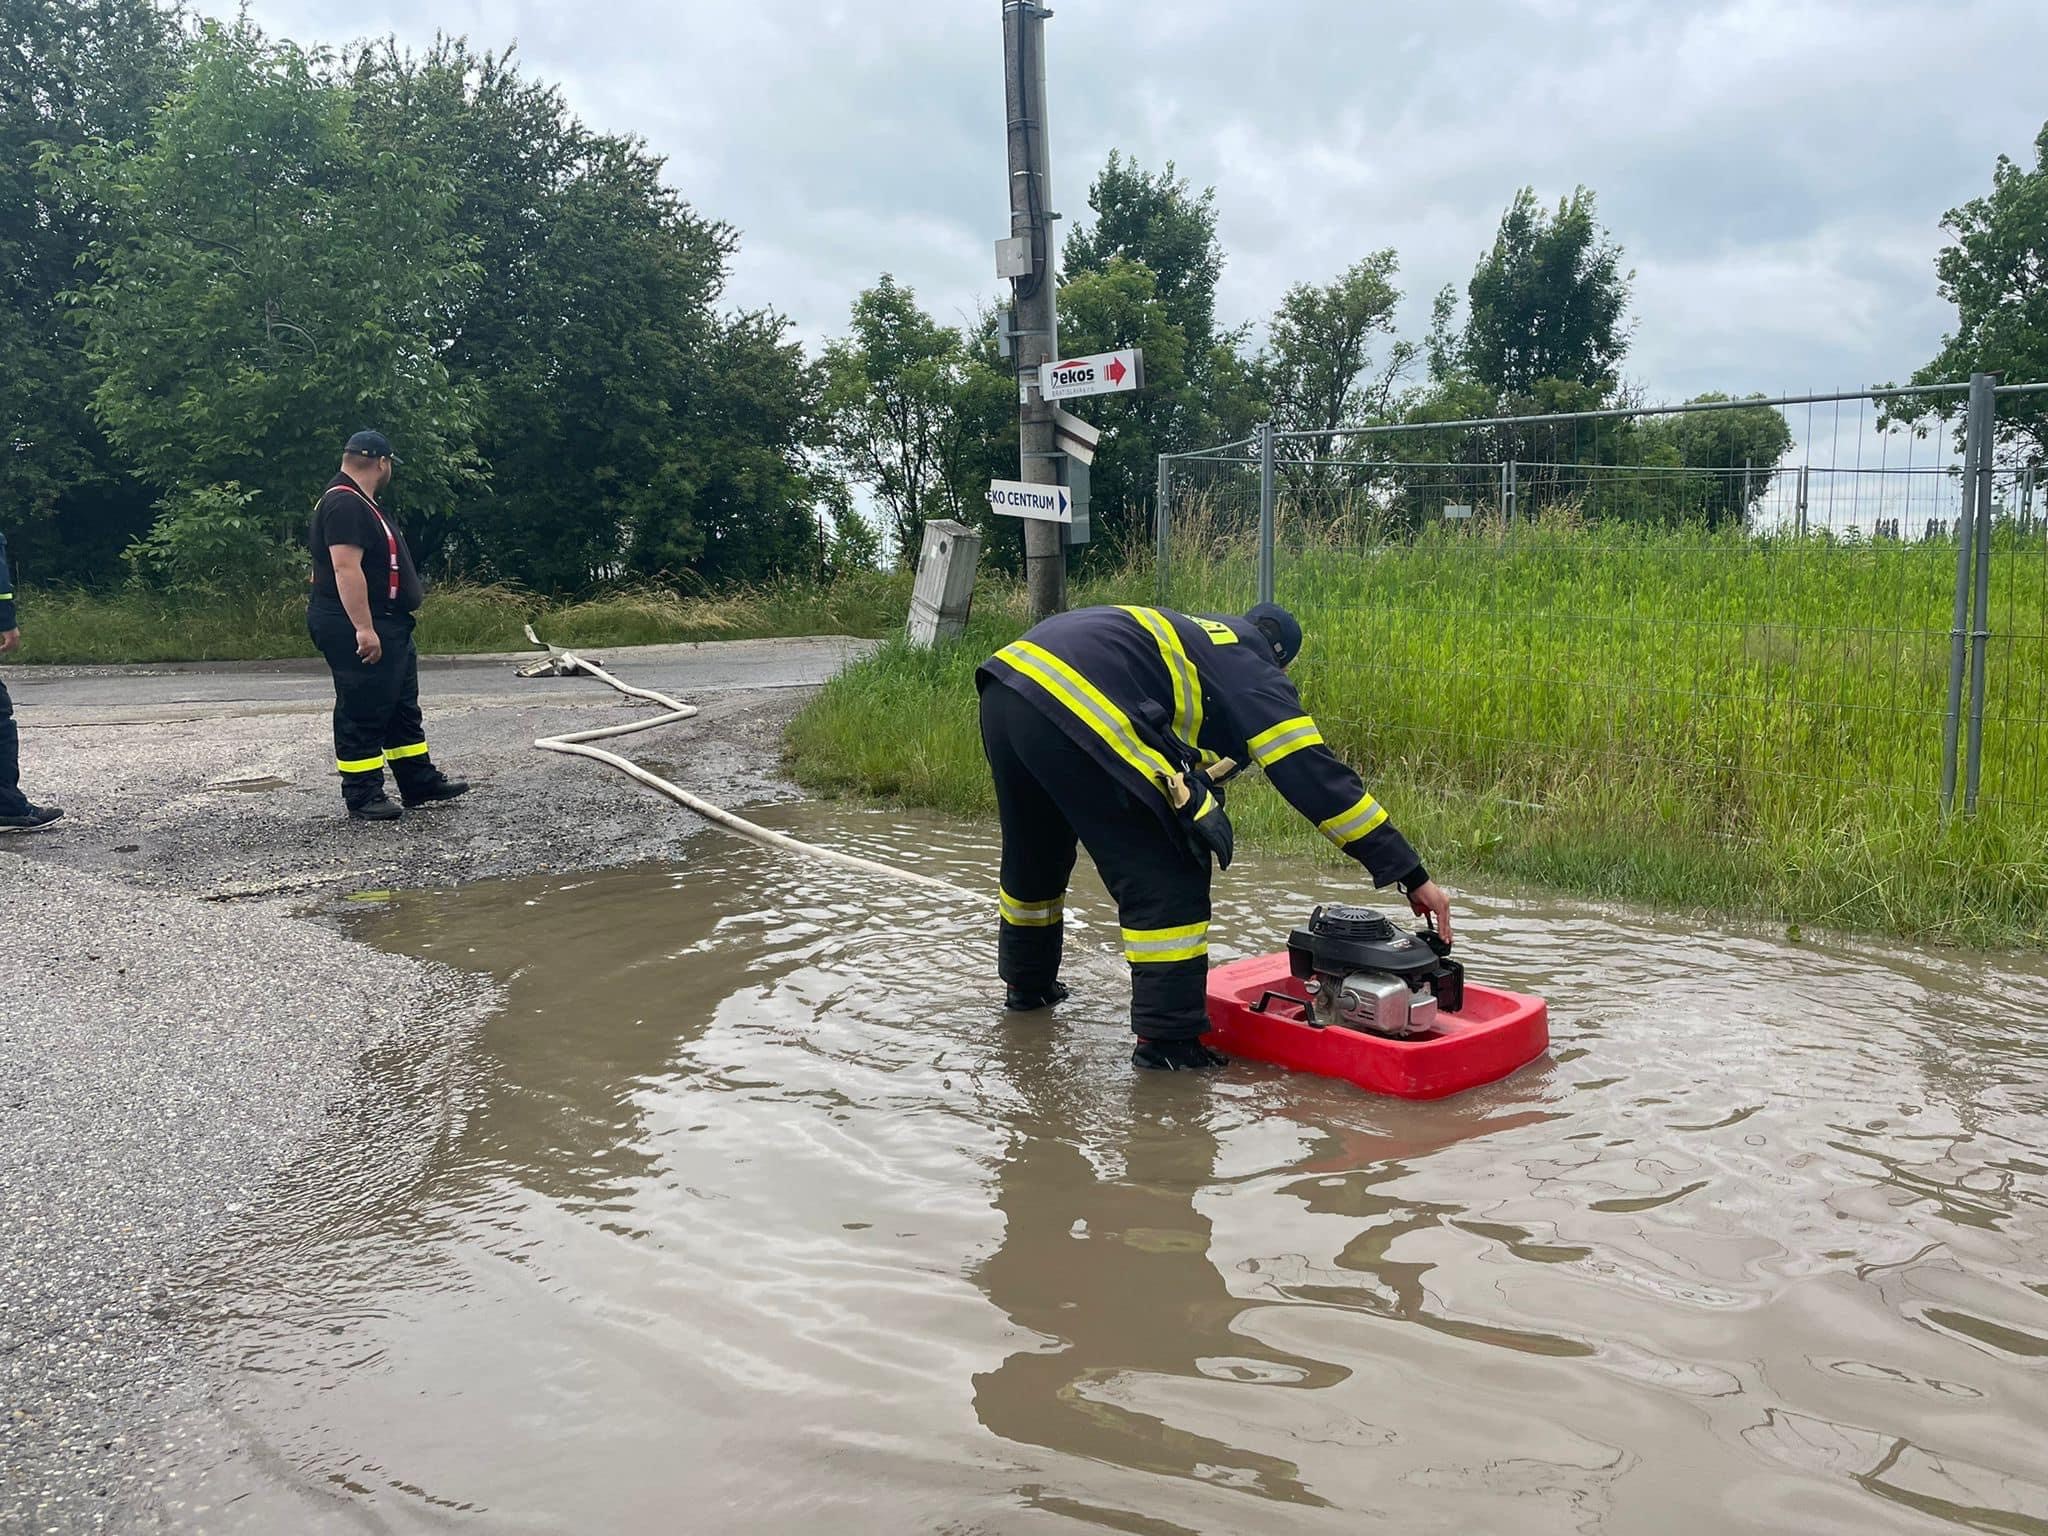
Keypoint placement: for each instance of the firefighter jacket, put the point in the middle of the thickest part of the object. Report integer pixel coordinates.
(1149, 692)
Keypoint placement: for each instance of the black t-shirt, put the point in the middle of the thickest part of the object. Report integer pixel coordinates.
(346, 516)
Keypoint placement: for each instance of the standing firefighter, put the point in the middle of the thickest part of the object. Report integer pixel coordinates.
(16, 813)
(1097, 725)
(365, 595)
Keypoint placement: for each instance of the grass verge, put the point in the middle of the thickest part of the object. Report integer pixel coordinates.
(1710, 767)
(132, 625)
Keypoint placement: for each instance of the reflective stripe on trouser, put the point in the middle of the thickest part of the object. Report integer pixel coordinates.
(376, 708)
(1052, 794)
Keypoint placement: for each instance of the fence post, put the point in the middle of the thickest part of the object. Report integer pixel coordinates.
(1266, 512)
(1511, 491)
(1799, 528)
(1975, 441)
(1162, 524)
(1980, 627)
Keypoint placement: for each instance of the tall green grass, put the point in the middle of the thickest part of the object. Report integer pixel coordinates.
(1690, 719)
(137, 625)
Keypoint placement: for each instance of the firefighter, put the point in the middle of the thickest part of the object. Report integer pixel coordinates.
(1100, 727)
(16, 813)
(366, 593)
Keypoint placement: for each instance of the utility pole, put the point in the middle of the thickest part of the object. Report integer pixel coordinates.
(1035, 324)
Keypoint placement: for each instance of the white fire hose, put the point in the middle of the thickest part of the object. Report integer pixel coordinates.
(561, 663)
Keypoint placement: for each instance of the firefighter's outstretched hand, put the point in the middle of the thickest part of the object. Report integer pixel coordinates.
(9, 640)
(1429, 900)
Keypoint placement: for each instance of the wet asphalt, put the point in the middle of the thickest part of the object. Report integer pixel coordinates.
(179, 1027)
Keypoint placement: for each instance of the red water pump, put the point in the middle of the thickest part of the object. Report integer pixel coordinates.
(1354, 997)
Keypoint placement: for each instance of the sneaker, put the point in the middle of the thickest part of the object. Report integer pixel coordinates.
(440, 787)
(378, 808)
(1176, 1056)
(1015, 1001)
(32, 819)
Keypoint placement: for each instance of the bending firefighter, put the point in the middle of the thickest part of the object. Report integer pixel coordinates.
(366, 593)
(1101, 727)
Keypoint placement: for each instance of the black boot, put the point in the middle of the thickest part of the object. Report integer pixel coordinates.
(1176, 1056)
(363, 794)
(1016, 1001)
(421, 783)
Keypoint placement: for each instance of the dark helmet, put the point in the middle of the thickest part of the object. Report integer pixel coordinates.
(1279, 627)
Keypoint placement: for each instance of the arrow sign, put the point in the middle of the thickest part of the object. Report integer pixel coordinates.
(1105, 373)
(1018, 498)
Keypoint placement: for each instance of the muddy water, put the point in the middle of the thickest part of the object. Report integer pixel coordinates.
(750, 1213)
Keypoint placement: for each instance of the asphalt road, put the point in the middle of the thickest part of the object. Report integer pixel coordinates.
(178, 1027)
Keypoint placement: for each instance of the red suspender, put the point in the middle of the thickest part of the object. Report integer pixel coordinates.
(390, 538)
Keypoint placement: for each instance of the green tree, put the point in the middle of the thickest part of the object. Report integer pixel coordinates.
(630, 429)
(1727, 461)
(1318, 360)
(1995, 272)
(1119, 305)
(1161, 223)
(72, 73)
(267, 283)
(907, 408)
(1548, 302)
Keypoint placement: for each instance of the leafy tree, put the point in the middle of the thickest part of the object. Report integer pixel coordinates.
(1548, 302)
(629, 428)
(907, 406)
(1119, 305)
(1160, 222)
(72, 73)
(267, 283)
(1996, 275)
(1319, 355)
(1729, 459)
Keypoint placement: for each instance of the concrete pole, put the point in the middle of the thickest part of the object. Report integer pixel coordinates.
(1045, 554)
(1976, 442)
(1162, 524)
(1980, 627)
(1266, 520)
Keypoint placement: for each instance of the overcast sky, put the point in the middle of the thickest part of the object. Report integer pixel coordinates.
(1776, 169)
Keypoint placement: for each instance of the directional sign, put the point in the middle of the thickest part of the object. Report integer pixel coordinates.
(1106, 373)
(1015, 498)
(1074, 437)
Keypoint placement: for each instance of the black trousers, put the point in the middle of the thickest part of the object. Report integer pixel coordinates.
(376, 708)
(12, 801)
(1052, 795)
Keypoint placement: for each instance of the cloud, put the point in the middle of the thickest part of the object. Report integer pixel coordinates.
(1776, 169)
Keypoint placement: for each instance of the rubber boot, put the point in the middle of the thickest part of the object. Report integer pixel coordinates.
(1176, 1056)
(1015, 1001)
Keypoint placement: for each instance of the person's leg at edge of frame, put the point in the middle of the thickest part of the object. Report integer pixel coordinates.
(1039, 849)
(12, 801)
(405, 733)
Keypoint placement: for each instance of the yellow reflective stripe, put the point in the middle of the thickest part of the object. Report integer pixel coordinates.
(1089, 703)
(1160, 946)
(360, 764)
(1349, 826)
(1284, 740)
(1187, 683)
(1208, 805)
(6, 597)
(417, 749)
(1030, 914)
(1218, 632)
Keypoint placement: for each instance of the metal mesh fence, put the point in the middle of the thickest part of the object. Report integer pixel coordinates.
(1739, 613)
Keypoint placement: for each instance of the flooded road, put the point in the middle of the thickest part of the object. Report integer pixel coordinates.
(750, 1212)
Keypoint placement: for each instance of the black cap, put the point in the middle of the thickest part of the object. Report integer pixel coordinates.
(1279, 627)
(371, 445)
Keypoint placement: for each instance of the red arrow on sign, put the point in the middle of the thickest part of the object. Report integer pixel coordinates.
(1116, 370)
